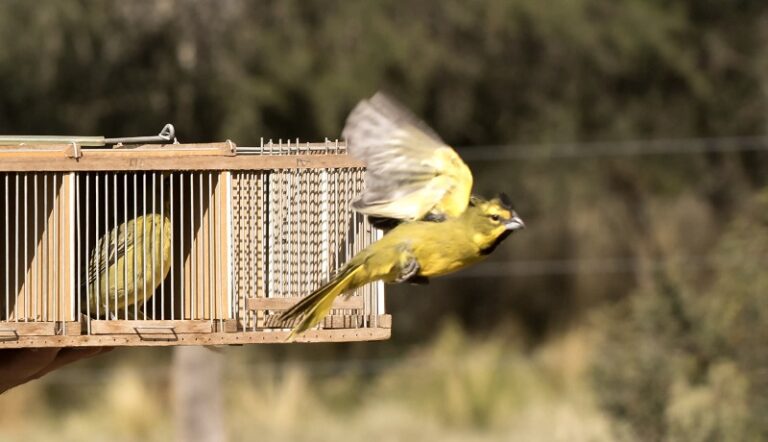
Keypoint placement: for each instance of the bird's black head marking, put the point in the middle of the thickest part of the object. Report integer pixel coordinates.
(505, 200)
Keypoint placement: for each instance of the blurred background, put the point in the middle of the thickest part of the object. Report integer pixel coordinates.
(631, 135)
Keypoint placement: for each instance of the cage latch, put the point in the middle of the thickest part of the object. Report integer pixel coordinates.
(157, 333)
(229, 148)
(9, 334)
(73, 151)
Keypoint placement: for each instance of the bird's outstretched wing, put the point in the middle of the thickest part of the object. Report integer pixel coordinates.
(411, 173)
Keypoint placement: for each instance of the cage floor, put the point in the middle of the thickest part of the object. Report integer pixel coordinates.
(169, 333)
(237, 338)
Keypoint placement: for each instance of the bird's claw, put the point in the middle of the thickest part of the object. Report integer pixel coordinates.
(434, 217)
(408, 271)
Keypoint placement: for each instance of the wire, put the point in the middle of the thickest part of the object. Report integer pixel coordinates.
(613, 148)
(548, 267)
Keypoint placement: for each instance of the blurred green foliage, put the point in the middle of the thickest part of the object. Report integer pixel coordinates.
(683, 359)
(661, 255)
(480, 72)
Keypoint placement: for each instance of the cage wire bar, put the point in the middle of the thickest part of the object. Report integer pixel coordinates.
(35, 245)
(310, 232)
(136, 217)
(178, 244)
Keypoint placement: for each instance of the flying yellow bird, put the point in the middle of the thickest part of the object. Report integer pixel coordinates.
(415, 179)
(412, 251)
(411, 173)
(127, 265)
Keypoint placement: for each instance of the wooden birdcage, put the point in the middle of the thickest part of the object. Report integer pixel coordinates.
(230, 237)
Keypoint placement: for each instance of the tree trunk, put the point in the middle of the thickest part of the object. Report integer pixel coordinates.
(197, 377)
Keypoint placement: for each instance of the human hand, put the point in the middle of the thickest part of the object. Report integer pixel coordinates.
(21, 365)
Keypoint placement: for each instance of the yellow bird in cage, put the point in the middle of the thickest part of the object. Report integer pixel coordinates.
(423, 185)
(127, 265)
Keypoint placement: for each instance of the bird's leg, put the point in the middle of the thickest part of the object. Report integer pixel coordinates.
(434, 217)
(409, 269)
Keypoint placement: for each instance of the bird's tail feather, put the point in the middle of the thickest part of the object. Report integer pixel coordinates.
(313, 308)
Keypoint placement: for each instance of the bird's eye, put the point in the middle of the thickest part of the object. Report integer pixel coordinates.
(495, 217)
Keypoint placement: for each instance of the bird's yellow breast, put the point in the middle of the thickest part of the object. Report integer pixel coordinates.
(439, 248)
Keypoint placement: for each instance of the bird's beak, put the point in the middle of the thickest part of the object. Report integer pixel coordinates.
(515, 223)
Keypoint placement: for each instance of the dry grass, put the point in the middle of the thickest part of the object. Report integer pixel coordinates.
(455, 389)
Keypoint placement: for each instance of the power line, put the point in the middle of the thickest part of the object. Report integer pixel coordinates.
(628, 264)
(599, 149)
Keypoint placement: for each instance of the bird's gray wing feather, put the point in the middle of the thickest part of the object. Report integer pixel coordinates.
(406, 174)
(105, 253)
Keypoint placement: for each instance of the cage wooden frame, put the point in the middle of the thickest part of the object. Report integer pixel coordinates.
(272, 223)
